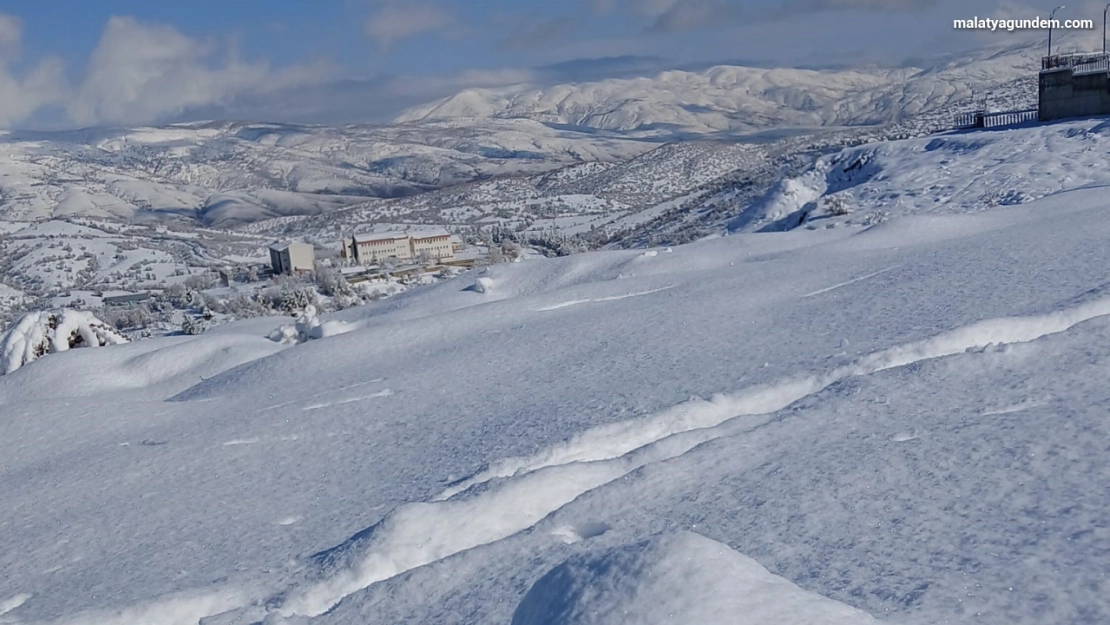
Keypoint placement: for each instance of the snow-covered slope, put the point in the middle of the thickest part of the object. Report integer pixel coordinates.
(743, 99)
(956, 172)
(906, 421)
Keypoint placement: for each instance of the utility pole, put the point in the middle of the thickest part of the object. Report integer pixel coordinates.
(1051, 17)
(1104, 29)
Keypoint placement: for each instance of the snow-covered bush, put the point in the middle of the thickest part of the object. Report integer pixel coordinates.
(130, 318)
(192, 326)
(332, 283)
(836, 205)
(875, 217)
(289, 295)
(308, 327)
(483, 284)
(46, 332)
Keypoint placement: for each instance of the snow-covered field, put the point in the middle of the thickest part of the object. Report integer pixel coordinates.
(904, 422)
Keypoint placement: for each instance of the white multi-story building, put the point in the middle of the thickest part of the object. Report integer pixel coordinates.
(376, 247)
(292, 257)
(434, 244)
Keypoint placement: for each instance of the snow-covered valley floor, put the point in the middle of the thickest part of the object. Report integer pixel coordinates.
(904, 423)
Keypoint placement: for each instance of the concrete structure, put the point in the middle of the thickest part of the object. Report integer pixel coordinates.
(1074, 85)
(373, 248)
(292, 257)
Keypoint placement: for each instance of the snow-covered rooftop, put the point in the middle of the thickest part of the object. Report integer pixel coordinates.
(428, 233)
(284, 245)
(367, 237)
(420, 233)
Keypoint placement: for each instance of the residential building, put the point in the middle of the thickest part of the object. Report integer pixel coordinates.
(292, 257)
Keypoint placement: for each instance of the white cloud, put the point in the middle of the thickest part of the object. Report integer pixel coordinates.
(40, 86)
(11, 36)
(140, 73)
(396, 21)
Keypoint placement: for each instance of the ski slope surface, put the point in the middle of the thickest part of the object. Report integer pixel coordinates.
(900, 423)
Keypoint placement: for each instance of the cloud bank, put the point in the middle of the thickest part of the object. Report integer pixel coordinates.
(137, 73)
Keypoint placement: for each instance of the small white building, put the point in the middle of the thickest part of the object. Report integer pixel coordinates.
(292, 257)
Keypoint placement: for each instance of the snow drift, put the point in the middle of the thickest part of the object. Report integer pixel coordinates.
(682, 577)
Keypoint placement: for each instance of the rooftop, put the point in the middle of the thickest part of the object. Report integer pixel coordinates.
(367, 237)
(429, 233)
(283, 245)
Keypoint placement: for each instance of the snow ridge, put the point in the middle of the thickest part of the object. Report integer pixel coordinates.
(536, 486)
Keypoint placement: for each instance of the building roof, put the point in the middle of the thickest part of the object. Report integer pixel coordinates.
(429, 233)
(368, 237)
(125, 299)
(284, 245)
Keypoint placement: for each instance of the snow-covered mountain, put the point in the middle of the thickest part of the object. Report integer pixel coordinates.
(731, 99)
(227, 173)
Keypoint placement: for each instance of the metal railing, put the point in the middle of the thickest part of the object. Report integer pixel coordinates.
(1101, 66)
(982, 119)
(1073, 61)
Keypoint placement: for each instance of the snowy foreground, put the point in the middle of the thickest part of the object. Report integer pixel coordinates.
(905, 423)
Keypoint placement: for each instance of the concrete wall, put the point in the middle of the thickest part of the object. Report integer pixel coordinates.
(302, 257)
(279, 260)
(1064, 94)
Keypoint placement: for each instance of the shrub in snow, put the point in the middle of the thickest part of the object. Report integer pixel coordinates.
(308, 327)
(131, 318)
(331, 282)
(192, 326)
(40, 333)
(289, 295)
(836, 205)
(875, 217)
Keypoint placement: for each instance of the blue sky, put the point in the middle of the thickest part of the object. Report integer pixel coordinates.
(71, 63)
